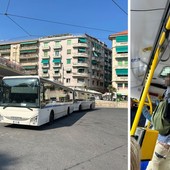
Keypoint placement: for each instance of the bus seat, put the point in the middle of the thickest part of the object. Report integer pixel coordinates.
(147, 139)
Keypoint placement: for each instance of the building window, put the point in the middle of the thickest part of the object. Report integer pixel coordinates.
(68, 61)
(79, 80)
(56, 71)
(45, 71)
(126, 62)
(45, 44)
(68, 71)
(80, 70)
(45, 53)
(93, 82)
(56, 53)
(57, 43)
(82, 50)
(126, 85)
(68, 80)
(101, 83)
(68, 42)
(119, 85)
(69, 51)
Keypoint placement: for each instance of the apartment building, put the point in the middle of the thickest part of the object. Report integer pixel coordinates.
(23, 53)
(120, 62)
(74, 60)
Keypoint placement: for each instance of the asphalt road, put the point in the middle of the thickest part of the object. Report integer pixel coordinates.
(88, 140)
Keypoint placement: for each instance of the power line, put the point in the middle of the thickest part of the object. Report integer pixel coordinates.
(7, 6)
(119, 7)
(18, 25)
(61, 23)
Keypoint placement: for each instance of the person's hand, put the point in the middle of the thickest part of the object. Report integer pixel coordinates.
(157, 102)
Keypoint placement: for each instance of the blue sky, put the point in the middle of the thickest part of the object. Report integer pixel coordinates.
(68, 17)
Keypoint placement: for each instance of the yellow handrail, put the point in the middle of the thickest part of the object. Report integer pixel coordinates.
(147, 85)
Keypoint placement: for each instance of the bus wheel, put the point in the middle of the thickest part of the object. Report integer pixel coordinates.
(80, 108)
(68, 111)
(91, 107)
(51, 118)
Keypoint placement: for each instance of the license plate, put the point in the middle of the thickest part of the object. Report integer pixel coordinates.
(16, 122)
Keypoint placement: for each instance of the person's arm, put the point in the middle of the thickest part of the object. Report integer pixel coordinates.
(146, 113)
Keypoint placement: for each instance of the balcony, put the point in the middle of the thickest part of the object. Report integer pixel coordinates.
(57, 75)
(121, 66)
(28, 56)
(57, 56)
(59, 46)
(32, 47)
(80, 45)
(80, 65)
(121, 55)
(46, 57)
(45, 66)
(32, 72)
(94, 67)
(5, 50)
(75, 55)
(76, 74)
(45, 75)
(57, 65)
(46, 48)
(122, 78)
(95, 77)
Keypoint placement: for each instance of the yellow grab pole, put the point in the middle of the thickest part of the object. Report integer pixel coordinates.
(147, 85)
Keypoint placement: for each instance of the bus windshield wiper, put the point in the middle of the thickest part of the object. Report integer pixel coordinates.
(29, 108)
(6, 106)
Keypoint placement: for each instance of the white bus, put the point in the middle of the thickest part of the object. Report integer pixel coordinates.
(85, 99)
(31, 100)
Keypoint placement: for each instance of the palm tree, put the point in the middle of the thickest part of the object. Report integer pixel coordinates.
(111, 90)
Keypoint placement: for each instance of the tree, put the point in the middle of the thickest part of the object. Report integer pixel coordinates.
(111, 90)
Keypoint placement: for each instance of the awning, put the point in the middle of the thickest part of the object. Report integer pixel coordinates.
(29, 67)
(95, 54)
(28, 42)
(82, 40)
(81, 50)
(45, 61)
(27, 51)
(122, 71)
(81, 59)
(122, 49)
(3, 47)
(123, 38)
(57, 60)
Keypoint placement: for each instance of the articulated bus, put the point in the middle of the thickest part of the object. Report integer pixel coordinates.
(85, 99)
(150, 64)
(32, 100)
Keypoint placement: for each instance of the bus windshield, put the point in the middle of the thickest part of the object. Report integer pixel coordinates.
(20, 92)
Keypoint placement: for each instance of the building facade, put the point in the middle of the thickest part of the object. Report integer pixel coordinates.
(120, 62)
(73, 60)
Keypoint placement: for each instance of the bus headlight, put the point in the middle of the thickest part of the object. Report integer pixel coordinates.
(34, 119)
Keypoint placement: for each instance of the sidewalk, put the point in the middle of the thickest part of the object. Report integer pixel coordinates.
(111, 104)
